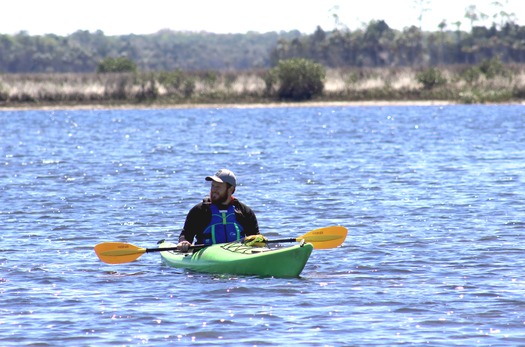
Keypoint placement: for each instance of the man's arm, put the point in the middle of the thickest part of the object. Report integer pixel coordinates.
(248, 220)
(194, 224)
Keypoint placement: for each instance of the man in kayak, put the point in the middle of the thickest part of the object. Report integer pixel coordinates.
(220, 217)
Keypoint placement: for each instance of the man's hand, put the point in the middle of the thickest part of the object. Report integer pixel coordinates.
(183, 246)
(255, 240)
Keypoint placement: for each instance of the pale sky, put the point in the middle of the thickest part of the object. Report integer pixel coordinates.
(120, 17)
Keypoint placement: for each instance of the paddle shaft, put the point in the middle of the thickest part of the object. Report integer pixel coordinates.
(148, 250)
(283, 240)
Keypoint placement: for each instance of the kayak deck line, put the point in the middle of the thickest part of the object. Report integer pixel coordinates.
(235, 246)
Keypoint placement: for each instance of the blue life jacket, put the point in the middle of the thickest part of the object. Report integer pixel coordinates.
(223, 226)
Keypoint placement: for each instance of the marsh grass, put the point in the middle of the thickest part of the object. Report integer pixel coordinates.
(462, 85)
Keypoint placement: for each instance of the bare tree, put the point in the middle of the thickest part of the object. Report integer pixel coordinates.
(422, 6)
(500, 17)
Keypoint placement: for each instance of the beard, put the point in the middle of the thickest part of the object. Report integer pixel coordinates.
(219, 198)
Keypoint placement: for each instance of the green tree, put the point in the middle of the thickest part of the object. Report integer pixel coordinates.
(409, 46)
(442, 25)
(492, 68)
(431, 78)
(377, 45)
(120, 64)
(299, 79)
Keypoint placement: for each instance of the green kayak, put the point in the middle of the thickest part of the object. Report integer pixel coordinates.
(236, 258)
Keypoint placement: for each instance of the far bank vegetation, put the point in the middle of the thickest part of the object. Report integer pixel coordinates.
(490, 81)
(373, 63)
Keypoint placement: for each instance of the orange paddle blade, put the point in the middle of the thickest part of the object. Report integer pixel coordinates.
(325, 238)
(118, 252)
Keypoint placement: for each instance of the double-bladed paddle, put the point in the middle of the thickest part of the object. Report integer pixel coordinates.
(119, 252)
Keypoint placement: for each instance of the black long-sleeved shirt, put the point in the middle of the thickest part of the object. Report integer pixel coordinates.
(199, 218)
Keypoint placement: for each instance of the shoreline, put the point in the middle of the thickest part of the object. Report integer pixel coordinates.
(241, 105)
(226, 105)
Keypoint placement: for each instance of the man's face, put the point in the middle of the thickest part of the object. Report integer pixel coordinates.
(219, 193)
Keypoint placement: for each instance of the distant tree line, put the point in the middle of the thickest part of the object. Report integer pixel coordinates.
(82, 51)
(376, 45)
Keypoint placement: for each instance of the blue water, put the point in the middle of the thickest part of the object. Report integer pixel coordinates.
(433, 198)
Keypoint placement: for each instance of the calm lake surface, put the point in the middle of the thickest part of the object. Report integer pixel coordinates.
(433, 198)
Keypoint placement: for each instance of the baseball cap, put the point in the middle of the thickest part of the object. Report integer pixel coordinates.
(223, 176)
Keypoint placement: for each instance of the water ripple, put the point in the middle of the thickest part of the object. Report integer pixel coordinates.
(432, 198)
